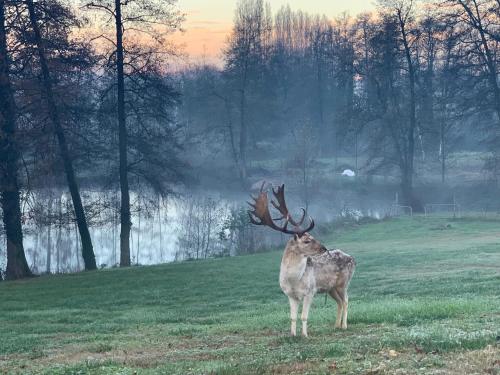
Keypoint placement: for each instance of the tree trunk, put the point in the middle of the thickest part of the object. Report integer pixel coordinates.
(138, 235)
(230, 129)
(49, 236)
(443, 153)
(59, 233)
(243, 137)
(87, 249)
(17, 266)
(356, 153)
(406, 188)
(159, 227)
(319, 87)
(410, 152)
(77, 252)
(125, 221)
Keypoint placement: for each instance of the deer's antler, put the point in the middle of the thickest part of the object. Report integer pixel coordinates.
(260, 214)
(279, 194)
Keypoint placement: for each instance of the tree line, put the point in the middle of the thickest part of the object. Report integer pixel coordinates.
(405, 83)
(87, 100)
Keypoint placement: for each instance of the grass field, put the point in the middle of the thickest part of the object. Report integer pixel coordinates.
(425, 299)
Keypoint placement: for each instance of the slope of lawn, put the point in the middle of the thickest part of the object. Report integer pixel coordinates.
(425, 299)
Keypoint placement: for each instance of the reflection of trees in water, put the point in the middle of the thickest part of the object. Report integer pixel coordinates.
(200, 220)
(52, 238)
(210, 228)
(189, 227)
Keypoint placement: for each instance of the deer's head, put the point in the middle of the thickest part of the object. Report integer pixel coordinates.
(308, 245)
(302, 241)
(260, 215)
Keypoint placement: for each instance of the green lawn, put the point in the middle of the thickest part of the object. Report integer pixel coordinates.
(425, 299)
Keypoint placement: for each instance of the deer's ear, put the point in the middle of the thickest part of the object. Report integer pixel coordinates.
(296, 237)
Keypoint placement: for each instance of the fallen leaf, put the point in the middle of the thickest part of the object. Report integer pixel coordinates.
(333, 366)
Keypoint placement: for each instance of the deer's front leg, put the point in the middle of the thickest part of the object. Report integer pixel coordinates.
(305, 313)
(294, 308)
(344, 318)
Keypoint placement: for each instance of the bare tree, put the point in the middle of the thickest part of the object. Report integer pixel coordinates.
(451, 90)
(305, 151)
(244, 57)
(152, 20)
(398, 40)
(480, 17)
(200, 223)
(404, 11)
(17, 266)
(87, 248)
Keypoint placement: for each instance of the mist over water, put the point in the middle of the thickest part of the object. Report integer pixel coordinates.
(154, 236)
(164, 230)
(199, 223)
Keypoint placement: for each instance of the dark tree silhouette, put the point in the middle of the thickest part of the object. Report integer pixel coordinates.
(17, 267)
(87, 249)
(151, 19)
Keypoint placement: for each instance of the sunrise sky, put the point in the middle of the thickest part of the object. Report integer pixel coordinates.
(208, 22)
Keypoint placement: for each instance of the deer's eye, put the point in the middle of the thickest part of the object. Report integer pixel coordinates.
(307, 241)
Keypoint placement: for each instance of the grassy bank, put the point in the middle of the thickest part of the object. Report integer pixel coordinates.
(425, 298)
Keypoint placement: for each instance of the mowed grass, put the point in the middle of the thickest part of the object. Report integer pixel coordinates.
(425, 299)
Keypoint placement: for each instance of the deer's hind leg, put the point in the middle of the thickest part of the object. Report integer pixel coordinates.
(340, 305)
(345, 304)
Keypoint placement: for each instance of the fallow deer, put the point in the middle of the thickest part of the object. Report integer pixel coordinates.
(307, 267)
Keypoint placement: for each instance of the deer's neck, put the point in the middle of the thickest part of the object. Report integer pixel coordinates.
(293, 263)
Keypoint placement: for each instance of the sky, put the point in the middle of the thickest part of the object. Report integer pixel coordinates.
(208, 22)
